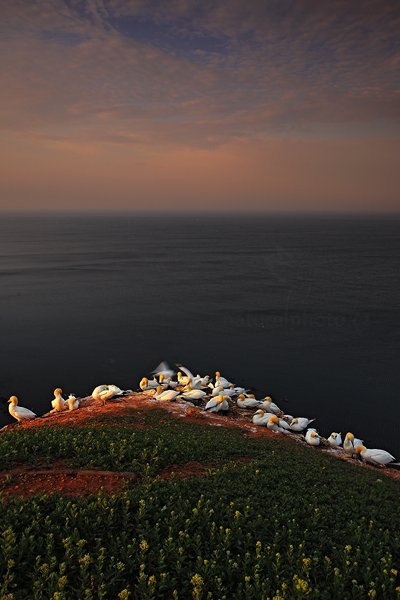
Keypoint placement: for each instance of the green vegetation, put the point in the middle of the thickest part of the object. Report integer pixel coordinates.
(290, 523)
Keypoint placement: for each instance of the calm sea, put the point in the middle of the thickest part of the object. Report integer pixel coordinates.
(304, 309)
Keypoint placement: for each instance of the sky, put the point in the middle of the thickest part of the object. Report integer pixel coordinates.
(281, 105)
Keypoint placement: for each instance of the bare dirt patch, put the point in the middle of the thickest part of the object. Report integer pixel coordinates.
(68, 482)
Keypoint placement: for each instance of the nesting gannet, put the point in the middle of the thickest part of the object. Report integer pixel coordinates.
(106, 392)
(350, 443)
(73, 402)
(193, 394)
(219, 403)
(274, 424)
(244, 402)
(300, 423)
(19, 412)
(335, 439)
(267, 404)
(167, 395)
(261, 417)
(145, 384)
(59, 403)
(312, 437)
(375, 456)
(222, 381)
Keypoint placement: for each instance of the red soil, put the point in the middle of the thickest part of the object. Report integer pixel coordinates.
(69, 482)
(80, 482)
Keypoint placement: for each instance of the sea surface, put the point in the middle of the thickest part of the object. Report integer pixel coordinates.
(305, 309)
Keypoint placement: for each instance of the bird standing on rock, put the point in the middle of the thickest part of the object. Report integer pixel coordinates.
(19, 412)
(59, 403)
(106, 392)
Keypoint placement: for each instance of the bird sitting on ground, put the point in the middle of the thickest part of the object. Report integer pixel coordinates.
(244, 402)
(275, 424)
(166, 396)
(217, 404)
(312, 438)
(190, 394)
(298, 424)
(335, 439)
(59, 403)
(267, 404)
(73, 402)
(375, 456)
(19, 412)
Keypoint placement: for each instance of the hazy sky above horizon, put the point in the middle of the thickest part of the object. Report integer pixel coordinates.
(275, 104)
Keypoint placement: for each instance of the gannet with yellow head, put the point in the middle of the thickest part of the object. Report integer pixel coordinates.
(244, 402)
(165, 396)
(300, 423)
(312, 438)
(267, 404)
(19, 412)
(375, 456)
(73, 402)
(59, 403)
(217, 404)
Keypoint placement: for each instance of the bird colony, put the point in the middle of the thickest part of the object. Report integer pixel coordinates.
(219, 395)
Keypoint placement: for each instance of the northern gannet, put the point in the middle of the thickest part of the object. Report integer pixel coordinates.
(244, 402)
(193, 394)
(166, 396)
(106, 392)
(145, 384)
(375, 456)
(221, 381)
(335, 439)
(312, 437)
(219, 403)
(300, 423)
(19, 412)
(350, 443)
(274, 424)
(267, 404)
(261, 417)
(73, 402)
(59, 403)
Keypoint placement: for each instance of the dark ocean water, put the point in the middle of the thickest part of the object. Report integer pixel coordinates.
(304, 309)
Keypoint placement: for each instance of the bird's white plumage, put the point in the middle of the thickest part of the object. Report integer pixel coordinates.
(19, 412)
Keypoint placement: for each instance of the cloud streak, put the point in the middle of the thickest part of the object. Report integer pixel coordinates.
(121, 79)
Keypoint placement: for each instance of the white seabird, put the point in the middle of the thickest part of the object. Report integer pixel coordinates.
(19, 412)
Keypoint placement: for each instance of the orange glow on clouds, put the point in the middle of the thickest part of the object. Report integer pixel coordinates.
(231, 107)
